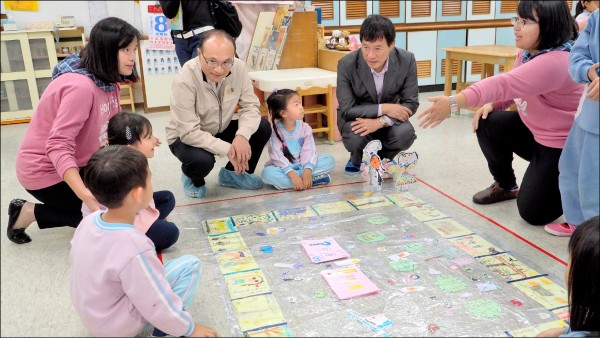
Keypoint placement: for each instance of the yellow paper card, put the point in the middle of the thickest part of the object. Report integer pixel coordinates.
(245, 284)
(543, 291)
(219, 226)
(507, 266)
(227, 242)
(371, 202)
(449, 228)
(258, 311)
(294, 213)
(235, 261)
(333, 207)
(475, 245)
(254, 219)
(425, 212)
(533, 331)
(405, 199)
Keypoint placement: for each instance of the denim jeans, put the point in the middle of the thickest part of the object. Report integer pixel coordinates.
(187, 49)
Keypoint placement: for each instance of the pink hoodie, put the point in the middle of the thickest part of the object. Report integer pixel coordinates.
(545, 95)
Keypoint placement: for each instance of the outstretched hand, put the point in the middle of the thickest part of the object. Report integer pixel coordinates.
(436, 113)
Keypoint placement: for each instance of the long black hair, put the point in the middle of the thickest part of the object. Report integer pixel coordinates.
(277, 102)
(101, 54)
(583, 284)
(128, 128)
(557, 26)
(579, 8)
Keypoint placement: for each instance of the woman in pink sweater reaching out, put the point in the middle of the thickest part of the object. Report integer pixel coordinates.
(546, 98)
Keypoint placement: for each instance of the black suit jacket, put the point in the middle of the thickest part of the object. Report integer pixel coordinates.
(356, 92)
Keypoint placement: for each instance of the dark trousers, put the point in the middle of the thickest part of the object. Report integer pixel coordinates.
(503, 134)
(197, 163)
(60, 206)
(187, 49)
(393, 139)
(162, 232)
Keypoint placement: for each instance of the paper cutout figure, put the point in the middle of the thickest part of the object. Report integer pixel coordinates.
(483, 308)
(400, 167)
(372, 170)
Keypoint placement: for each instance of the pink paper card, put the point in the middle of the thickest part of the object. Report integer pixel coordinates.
(349, 282)
(323, 250)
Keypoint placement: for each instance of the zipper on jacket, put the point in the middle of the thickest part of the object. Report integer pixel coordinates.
(220, 109)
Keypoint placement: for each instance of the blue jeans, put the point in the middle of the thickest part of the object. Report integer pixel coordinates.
(187, 49)
(162, 232)
(274, 175)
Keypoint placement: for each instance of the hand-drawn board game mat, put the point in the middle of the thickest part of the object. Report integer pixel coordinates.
(450, 280)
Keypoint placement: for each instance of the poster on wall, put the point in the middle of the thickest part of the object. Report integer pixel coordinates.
(159, 34)
(159, 61)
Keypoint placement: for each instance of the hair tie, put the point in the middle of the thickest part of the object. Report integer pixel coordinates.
(128, 133)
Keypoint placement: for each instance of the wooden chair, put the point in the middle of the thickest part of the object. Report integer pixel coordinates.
(127, 98)
(322, 106)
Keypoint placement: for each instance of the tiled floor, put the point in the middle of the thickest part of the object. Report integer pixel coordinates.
(35, 290)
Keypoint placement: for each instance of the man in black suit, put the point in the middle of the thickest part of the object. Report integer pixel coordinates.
(377, 92)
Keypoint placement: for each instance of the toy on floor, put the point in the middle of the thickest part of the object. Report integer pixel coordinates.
(372, 169)
(399, 169)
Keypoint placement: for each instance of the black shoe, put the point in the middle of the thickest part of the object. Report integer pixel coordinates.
(494, 194)
(16, 235)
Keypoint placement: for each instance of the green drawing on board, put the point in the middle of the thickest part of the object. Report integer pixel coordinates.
(371, 236)
(450, 283)
(483, 308)
(403, 265)
(378, 220)
(415, 248)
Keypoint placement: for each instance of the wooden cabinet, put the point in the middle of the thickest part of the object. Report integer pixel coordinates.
(330, 11)
(354, 12)
(391, 9)
(69, 40)
(420, 11)
(451, 10)
(423, 46)
(27, 60)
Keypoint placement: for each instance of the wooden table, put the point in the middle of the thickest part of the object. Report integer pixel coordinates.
(487, 55)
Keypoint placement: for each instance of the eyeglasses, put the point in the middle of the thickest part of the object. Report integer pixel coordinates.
(214, 64)
(518, 22)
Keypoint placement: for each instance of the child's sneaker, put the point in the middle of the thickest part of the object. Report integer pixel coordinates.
(323, 179)
(190, 189)
(560, 229)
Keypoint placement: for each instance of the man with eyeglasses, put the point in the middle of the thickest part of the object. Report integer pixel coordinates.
(214, 111)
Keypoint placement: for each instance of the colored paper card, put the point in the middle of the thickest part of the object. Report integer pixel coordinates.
(333, 208)
(371, 236)
(348, 283)
(450, 283)
(483, 308)
(258, 312)
(323, 250)
(562, 313)
(219, 226)
(543, 291)
(449, 228)
(399, 256)
(245, 284)
(475, 245)
(254, 219)
(371, 202)
(275, 331)
(425, 212)
(227, 242)
(294, 213)
(405, 199)
(533, 331)
(507, 266)
(235, 261)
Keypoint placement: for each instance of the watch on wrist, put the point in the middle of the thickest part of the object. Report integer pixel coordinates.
(383, 121)
(453, 105)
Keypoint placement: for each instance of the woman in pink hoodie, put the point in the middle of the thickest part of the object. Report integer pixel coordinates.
(68, 126)
(546, 98)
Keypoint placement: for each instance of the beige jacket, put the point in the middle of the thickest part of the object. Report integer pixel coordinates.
(198, 113)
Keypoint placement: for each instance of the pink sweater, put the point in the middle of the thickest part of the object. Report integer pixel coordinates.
(117, 283)
(68, 126)
(545, 95)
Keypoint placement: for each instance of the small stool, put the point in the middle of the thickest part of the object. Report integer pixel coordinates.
(128, 97)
